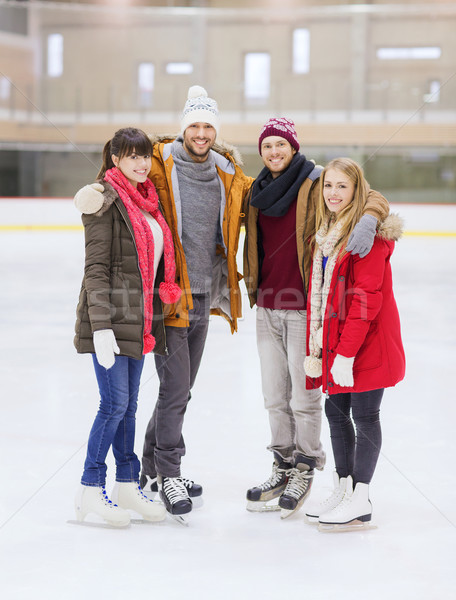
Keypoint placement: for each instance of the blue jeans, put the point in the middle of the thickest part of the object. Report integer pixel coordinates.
(115, 422)
(355, 453)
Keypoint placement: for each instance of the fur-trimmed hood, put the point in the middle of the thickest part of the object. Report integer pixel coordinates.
(221, 147)
(391, 228)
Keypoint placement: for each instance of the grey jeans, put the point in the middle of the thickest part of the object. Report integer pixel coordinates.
(164, 444)
(294, 412)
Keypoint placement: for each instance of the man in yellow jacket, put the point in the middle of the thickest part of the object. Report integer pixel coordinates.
(201, 189)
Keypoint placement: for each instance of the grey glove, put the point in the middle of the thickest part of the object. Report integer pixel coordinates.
(362, 238)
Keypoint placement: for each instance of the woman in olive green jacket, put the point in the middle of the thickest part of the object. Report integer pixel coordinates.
(129, 271)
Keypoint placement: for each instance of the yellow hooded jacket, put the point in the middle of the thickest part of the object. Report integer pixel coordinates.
(234, 184)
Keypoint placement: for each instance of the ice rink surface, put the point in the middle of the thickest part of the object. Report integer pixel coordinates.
(49, 399)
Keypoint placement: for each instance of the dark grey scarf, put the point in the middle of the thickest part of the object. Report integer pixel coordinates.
(274, 196)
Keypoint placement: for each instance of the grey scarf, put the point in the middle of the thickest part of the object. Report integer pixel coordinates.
(200, 196)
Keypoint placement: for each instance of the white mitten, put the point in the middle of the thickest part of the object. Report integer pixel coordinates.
(342, 370)
(105, 347)
(89, 199)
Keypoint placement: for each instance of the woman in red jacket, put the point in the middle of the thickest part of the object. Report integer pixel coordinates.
(354, 346)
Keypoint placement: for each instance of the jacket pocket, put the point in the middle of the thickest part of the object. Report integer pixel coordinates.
(370, 355)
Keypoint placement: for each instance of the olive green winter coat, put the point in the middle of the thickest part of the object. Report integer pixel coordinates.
(111, 294)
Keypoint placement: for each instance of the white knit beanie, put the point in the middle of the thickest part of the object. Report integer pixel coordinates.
(199, 108)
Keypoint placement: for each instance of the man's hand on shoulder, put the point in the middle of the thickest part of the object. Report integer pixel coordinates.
(363, 235)
(89, 199)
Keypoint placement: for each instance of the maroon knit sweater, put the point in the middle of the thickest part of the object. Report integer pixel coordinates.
(281, 285)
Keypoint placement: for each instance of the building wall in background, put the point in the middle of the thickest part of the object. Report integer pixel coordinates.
(397, 115)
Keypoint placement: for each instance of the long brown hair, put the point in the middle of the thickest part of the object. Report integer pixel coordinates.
(125, 142)
(354, 211)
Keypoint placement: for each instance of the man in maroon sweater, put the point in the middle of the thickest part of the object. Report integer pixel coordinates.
(280, 222)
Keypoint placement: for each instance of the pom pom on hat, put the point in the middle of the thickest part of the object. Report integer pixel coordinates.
(199, 108)
(196, 91)
(280, 127)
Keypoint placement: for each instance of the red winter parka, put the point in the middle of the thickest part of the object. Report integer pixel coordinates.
(361, 318)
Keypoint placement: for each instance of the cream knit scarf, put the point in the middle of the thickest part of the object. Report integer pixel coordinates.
(326, 239)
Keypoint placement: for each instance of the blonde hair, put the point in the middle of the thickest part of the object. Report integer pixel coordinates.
(354, 211)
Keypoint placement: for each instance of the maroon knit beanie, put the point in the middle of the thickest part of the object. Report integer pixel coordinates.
(281, 127)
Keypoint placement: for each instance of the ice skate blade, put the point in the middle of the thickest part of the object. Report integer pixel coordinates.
(311, 520)
(261, 506)
(98, 525)
(354, 525)
(141, 521)
(179, 519)
(285, 513)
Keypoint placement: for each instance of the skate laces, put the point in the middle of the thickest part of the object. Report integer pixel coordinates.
(174, 489)
(142, 495)
(187, 482)
(275, 478)
(343, 503)
(336, 493)
(298, 482)
(106, 499)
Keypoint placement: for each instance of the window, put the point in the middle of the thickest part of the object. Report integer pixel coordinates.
(434, 92)
(146, 82)
(417, 53)
(257, 75)
(301, 51)
(5, 88)
(55, 55)
(179, 68)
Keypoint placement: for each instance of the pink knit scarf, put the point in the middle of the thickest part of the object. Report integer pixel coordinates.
(145, 197)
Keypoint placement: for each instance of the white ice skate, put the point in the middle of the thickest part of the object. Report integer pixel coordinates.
(260, 497)
(93, 499)
(128, 495)
(353, 513)
(315, 509)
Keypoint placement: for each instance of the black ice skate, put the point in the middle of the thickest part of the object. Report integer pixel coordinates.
(150, 484)
(258, 497)
(175, 497)
(300, 479)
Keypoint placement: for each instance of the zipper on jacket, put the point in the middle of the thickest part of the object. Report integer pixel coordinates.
(175, 228)
(327, 333)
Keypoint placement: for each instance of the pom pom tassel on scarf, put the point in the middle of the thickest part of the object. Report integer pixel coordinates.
(169, 292)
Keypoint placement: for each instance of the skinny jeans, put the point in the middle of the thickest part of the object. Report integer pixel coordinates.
(356, 438)
(115, 423)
